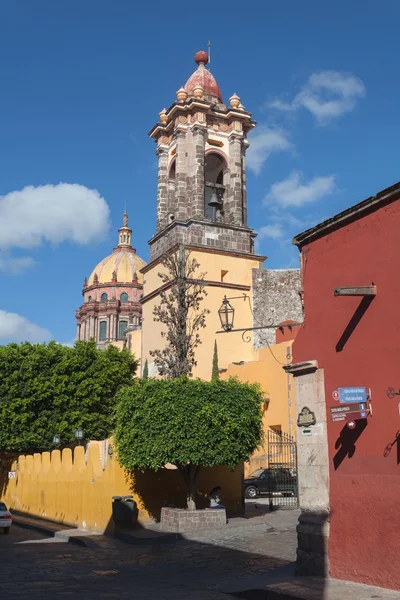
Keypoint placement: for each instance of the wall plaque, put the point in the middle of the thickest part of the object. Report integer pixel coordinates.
(306, 418)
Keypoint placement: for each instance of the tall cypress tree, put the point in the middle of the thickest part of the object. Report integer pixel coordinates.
(145, 370)
(215, 371)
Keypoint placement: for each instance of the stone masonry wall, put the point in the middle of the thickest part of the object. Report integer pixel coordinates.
(180, 520)
(202, 234)
(275, 299)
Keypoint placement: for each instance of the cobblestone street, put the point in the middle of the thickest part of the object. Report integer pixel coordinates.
(202, 568)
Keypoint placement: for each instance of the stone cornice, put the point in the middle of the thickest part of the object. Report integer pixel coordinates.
(117, 284)
(207, 283)
(186, 224)
(208, 107)
(247, 256)
(113, 307)
(301, 368)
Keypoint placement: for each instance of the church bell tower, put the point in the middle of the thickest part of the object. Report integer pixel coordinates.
(202, 205)
(201, 148)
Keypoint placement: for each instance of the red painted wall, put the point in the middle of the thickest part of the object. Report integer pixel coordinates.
(364, 543)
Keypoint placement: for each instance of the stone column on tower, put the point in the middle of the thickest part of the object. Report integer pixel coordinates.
(236, 180)
(162, 195)
(245, 145)
(181, 175)
(196, 170)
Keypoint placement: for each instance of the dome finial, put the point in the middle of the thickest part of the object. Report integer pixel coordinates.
(124, 232)
(125, 217)
(201, 57)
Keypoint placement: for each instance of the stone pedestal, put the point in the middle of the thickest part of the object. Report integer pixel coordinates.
(178, 520)
(312, 543)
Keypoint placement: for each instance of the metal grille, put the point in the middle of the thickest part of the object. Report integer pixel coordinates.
(282, 487)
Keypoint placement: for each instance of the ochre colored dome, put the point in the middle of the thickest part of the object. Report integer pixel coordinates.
(203, 77)
(124, 261)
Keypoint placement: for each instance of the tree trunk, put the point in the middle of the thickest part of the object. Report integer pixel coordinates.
(190, 474)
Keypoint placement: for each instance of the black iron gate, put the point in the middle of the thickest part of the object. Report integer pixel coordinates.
(282, 470)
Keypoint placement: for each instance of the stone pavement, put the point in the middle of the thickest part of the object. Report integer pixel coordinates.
(166, 568)
(251, 558)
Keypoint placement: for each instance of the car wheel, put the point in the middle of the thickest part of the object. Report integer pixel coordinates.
(251, 492)
(6, 530)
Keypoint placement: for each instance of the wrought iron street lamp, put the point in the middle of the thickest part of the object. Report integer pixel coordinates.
(226, 315)
(79, 434)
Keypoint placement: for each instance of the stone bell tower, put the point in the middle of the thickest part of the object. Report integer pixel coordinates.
(201, 148)
(201, 204)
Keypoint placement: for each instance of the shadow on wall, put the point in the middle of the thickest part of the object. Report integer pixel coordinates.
(166, 487)
(389, 447)
(76, 488)
(6, 462)
(346, 442)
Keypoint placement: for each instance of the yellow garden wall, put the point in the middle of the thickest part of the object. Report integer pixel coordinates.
(277, 387)
(64, 487)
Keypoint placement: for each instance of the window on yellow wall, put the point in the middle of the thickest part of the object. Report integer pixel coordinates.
(223, 274)
(276, 428)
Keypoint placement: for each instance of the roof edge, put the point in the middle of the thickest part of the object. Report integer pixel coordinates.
(352, 213)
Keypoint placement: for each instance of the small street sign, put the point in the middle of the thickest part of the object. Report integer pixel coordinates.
(338, 417)
(348, 408)
(12, 474)
(335, 395)
(352, 394)
(351, 424)
(352, 415)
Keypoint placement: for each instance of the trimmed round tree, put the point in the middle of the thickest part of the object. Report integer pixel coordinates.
(188, 423)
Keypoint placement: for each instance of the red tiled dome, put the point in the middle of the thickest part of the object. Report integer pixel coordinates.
(203, 77)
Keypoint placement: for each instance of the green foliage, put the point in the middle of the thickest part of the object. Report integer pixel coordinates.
(215, 371)
(187, 422)
(145, 370)
(181, 313)
(49, 388)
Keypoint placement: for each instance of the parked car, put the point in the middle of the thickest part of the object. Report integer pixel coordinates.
(5, 518)
(272, 482)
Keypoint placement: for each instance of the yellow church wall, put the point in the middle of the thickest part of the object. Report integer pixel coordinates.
(236, 282)
(74, 490)
(277, 386)
(135, 345)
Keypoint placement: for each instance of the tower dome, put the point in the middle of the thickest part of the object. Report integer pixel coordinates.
(112, 294)
(202, 77)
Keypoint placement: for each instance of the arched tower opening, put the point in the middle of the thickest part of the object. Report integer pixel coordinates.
(214, 188)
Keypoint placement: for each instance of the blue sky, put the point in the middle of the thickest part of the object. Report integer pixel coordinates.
(82, 83)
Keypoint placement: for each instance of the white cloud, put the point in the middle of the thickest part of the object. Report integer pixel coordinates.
(274, 232)
(70, 344)
(262, 143)
(293, 192)
(326, 95)
(14, 265)
(51, 213)
(15, 328)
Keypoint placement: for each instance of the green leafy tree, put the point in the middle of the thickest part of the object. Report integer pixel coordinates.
(145, 370)
(49, 388)
(189, 423)
(215, 371)
(179, 310)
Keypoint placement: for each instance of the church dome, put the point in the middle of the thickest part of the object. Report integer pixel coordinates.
(123, 265)
(202, 77)
(124, 262)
